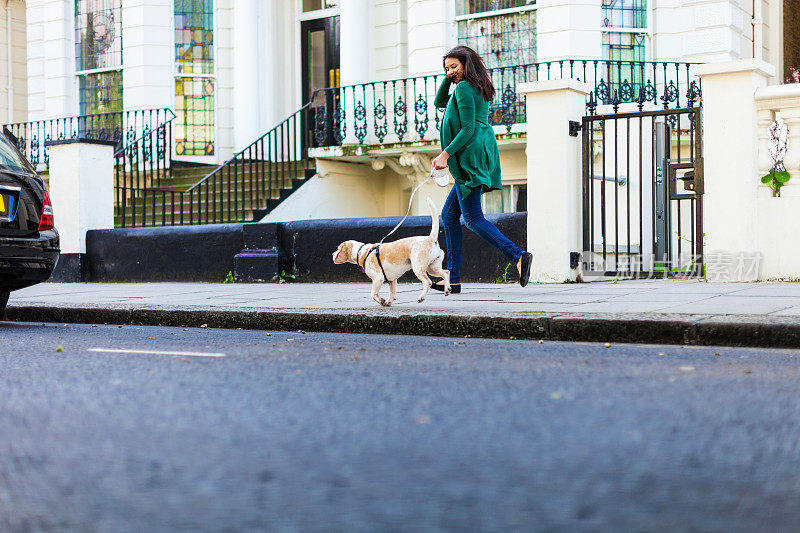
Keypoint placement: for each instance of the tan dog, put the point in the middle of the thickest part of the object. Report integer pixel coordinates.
(420, 254)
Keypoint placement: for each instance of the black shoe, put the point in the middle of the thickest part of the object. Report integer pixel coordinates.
(525, 268)
(455, 288)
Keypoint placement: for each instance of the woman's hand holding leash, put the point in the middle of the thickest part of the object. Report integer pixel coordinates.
(440, 161)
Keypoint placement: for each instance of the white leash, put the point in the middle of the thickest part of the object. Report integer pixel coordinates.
(441, 178)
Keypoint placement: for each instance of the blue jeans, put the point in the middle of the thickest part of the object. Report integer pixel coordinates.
(470, 207)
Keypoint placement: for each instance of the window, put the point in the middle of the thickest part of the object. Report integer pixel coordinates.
(625, 51)
(624, 14)
(100, 92)
(471, 7)
(98, 58)
(98, 34)
(194, 81)
(314, 5)
(502, 40)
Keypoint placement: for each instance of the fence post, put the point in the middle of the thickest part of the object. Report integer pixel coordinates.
(554, 175)
(82, 193)
(730, 150)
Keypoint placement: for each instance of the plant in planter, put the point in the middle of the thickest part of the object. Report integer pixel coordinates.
(794, 77)
(778, 175)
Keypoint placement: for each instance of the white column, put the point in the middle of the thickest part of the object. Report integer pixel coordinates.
(247, 95)
(554, 175)
(730, 150)
(431, 33)
(81, 190)
(356, 27)
(148, 54)
(59, 59)
(568, 29)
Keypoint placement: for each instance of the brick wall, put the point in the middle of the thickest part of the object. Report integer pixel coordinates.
(791, 35)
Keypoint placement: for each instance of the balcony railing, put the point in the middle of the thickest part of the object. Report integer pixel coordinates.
(402, 110)
(124, 127)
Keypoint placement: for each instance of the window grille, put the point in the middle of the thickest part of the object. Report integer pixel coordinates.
(194, 82)
(624, 13)
(472, 7)
(502, 40)
(98, 34)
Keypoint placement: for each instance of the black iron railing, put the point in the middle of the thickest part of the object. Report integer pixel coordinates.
(246, 185)
(124, 127)
(143, 161)
(402, 110)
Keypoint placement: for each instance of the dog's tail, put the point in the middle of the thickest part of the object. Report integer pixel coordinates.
(435, 217)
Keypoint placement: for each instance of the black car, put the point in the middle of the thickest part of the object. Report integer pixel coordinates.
(29, 246)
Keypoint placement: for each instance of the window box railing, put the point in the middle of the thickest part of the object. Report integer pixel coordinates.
(402, 110)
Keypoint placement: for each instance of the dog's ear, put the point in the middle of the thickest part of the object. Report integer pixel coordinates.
(342, 253)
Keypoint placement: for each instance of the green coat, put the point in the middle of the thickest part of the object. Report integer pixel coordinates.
(469, 139)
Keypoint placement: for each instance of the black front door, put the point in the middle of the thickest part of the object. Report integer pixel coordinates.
(320, 59)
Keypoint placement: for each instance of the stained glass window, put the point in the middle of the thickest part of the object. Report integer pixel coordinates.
(194, 106)
(626, 54)
(194, 84)
(194, 36)
(98, 34)
(501, 40)
(624, 13)
(470, 7)
(100, 92)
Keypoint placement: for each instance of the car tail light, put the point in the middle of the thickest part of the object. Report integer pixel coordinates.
(46, 221)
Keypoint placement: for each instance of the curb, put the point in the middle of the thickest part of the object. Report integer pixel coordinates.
(716, 330)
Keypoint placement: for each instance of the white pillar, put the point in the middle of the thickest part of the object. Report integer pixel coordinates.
(81, 191)
(148, 54)
(247, 94)
(730, 150)
(59, 59)
(554, 175)
(431, 33)
(356, 27)
(568, 29)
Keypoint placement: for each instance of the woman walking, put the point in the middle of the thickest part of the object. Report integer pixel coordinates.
(469, 148)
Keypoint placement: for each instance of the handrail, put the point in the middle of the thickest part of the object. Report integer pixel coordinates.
(250, 146)
(148, 133)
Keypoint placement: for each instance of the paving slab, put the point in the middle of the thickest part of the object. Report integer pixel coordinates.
(675, 311)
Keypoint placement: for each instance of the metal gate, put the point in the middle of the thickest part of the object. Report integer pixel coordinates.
(643, 193)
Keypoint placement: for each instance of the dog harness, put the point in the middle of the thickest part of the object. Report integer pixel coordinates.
(377, 250)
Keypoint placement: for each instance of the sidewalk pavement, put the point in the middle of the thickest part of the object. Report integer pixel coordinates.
(652, 311)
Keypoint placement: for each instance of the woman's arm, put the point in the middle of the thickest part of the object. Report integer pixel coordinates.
(443, 94)
(466, 113)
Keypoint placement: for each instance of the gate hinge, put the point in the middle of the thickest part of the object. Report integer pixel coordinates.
(574, 128)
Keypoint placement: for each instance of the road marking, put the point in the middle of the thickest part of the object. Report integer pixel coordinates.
(154, 352)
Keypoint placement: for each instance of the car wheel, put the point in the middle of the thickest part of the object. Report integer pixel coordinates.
(3, 302)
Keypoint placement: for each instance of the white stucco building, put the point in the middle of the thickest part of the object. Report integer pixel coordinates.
(230, 70)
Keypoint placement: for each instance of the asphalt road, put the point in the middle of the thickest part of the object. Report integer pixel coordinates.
(295, 431)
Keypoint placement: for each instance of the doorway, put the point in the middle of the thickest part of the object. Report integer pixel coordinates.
(320, 60)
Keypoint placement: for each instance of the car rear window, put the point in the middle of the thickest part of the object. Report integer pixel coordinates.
(10, 159)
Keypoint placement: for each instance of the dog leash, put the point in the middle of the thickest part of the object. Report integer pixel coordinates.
(409, 206)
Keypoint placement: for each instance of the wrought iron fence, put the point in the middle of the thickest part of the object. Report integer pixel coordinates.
(124, 127)
(143, 161)
(252, 181)
(402, 110)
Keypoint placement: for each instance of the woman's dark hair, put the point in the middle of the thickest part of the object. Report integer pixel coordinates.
(474, 70)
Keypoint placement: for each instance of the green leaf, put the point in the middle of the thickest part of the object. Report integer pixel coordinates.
(782, 176)
(766, 178)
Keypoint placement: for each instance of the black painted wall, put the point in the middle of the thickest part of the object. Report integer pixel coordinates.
(183, 253)
(206, 253)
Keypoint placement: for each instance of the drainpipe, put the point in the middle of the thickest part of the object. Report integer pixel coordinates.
(758, 30)
(9, 74)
